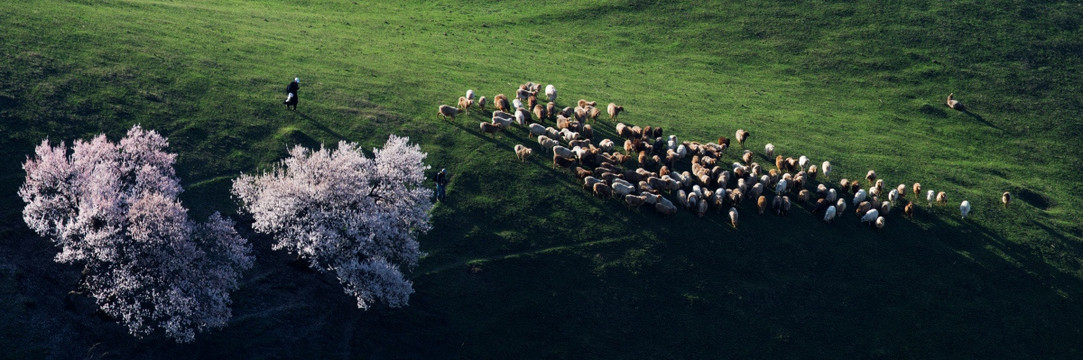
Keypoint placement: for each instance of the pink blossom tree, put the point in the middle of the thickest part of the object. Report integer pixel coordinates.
(347, 213)
(114, 208)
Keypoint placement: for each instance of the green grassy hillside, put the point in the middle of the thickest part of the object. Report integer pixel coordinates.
(522, 263)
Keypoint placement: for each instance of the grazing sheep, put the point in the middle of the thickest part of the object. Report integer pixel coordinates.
(606, 145)
(863, 208)
(776, 205)
(501, 122)
(964, 208)
(855, 186)
(464, 104)
(803, 161)
(517, 104)
(551, 110)
(902, 190)
(871, 176)
(622, 189)
(741, 135)
(874, 191)
(582, 173)
(500, 101)
(870, 216)
(470, 95)
(447, 111)
(614, 110)
(541, 112)
(930, 196)
(551, 92)
(844, 185)
(826, 169)
(665, 206)
(802, 195)
(702, 208)
(785, 205)
(523, 94)
(563, 152)
(733, 217)
(589, 181)
(954, 104)
(829, 214)
(521, 152)
(1006, 198)
(770, 150)
(546, 143)
(832, 195)
(917, 190)
(761, 204)
(537, 130)
(490, 128)
(747, 156)
(531, 102)
(908, 210)
(880, 222)
(859, 196)
(885, 207)
(893, 195)
(812, 172)
(635, 200)
(593, 112)
(481, 103)
(781, 187)
(840, 206)
(584, 103)
(603, 191)
(561, 162)
(941, 198)
(756, 190)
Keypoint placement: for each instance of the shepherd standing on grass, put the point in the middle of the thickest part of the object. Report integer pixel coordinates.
(291, 93)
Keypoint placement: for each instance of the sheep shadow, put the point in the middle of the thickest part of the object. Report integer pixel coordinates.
(981, 119)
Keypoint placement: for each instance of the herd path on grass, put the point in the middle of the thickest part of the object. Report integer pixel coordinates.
(691, 172)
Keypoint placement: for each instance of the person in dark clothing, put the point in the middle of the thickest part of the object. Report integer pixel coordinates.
(441, 180)
(291, 93)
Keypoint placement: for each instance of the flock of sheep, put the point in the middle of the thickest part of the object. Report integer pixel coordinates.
(647, 169)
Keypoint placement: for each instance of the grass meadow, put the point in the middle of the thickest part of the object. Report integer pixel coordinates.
(523, 263)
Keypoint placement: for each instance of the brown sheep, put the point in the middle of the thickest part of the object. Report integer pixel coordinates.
(521, 152)
(642, 158)
(634, 200)
(490, 128)
(587, 132)
(501, 103)
(614, 110)
(584, 103)
(812, 172)
(761, 204)
(844, 185)
(563, 122)
(863, 208)
(1006, 198)
(747, 156)
(540, 112)
(855, 186)
(551, 109)
(917, 190)
(780, 163)
(742, 135)
(561, 162)
(603, 190)
(941, 198)
(582, 173)
(802, 195)
(871, 176)
(531, 101)
(481, 103)
(909, 210)
(592, 113)
(446, 111)
(464, 104)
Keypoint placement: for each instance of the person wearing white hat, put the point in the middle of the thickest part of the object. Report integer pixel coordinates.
(291, 93)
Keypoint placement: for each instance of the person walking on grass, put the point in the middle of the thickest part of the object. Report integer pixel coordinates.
(291, 93)
(441, 180)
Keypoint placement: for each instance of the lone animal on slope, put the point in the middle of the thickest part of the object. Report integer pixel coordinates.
(964, 208)
(954, 104)
(521, 152)
(742, 135)
(1006, 198)
(447, 111)
(614, 110)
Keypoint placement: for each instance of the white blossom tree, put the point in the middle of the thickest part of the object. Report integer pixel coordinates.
(347, 213)
(114, 208)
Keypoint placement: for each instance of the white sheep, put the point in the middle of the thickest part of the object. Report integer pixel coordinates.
(502, 122)
(829, 214)
(521, 152)
(518, 104)
(622, 189)
(930, 196)
(470, 95)
(859, 197)
(964, 208)
(893, 195)
(551, 92)
(520, 117)
(885, 207)
(563, 152)
(547, 143)
(870, 216)
(537, 130)
(832, 195)
(825, 168)
(682, 151)
(841, 206)
(552, 133)
(733, 217)
(770, 150)
(672, 143)
(880, 222)
(606, 145)
(781, 187)
(803, 161)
